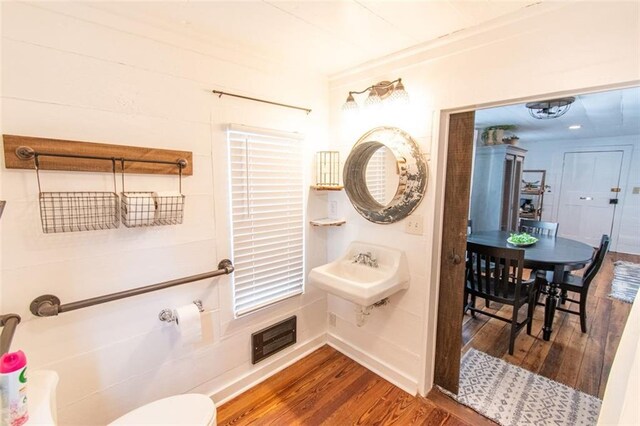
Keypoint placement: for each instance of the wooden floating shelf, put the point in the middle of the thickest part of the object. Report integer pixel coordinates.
(59, 146)
(327, 222)
(327, 187)
(528, 215)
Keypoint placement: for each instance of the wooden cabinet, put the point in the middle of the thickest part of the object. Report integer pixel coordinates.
(532, 194)
(495, 188)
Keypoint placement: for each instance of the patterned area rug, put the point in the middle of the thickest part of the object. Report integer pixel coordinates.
(626, 281)
(513, 396)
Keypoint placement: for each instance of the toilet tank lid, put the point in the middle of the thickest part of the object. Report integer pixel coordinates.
(188, 409)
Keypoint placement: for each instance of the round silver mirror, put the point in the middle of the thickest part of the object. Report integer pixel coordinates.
(385, 176)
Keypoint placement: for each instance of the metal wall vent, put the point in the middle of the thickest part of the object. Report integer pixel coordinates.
(273, 339)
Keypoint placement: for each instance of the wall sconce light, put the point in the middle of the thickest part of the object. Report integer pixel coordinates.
(387, 91)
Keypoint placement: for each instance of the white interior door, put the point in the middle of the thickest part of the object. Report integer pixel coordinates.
(588, 184)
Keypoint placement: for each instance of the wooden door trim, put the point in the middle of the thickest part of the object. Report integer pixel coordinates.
(453, 243)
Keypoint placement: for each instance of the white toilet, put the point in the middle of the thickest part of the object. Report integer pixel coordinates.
(188, 409)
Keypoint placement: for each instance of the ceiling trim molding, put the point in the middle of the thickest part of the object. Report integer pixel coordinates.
(486, 33)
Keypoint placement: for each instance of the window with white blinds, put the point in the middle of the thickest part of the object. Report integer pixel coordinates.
(266, 187)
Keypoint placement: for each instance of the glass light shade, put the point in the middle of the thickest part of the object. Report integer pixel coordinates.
(399, 96)
(373, 100)
(350, 104)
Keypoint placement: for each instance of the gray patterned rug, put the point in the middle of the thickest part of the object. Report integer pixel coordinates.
(626, 281)
(513, 396)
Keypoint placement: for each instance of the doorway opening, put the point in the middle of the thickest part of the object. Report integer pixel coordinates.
(582, 181)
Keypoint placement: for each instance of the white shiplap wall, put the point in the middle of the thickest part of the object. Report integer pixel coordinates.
(73, 72)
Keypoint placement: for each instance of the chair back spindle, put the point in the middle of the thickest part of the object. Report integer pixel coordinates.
(538, 227)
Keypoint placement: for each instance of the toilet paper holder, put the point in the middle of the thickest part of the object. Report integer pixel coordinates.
(169, 315)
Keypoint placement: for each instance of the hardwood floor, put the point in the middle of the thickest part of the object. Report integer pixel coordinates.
(579, 360)
(328, 388)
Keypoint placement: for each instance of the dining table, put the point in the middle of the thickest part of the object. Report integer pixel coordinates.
(549, 253)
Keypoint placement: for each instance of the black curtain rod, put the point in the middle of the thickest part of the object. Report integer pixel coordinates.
(219, 93)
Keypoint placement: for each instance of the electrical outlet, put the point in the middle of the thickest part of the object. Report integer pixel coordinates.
(414, 225)
(333, 209)
(636, 190)
(332, 319)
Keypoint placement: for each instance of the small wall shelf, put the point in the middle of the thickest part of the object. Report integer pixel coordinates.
(68, 156)
(327, 222)
(327, 187)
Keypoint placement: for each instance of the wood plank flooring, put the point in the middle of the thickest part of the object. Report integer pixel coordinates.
(580, 360)
(327, 388)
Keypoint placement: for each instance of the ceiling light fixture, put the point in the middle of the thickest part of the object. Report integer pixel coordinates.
(554, 108)
(391, 91)
(574, 127)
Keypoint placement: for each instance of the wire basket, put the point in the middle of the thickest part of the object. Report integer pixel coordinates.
(78, 211)
(151, 209)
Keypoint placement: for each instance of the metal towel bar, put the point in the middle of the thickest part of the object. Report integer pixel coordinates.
(49, 305)
(9, 322)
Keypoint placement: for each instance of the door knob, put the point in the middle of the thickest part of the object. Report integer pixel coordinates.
(453, 257)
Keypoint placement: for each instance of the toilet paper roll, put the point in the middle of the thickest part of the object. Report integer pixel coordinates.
(139, 209)
(189, 322)
(169, 205)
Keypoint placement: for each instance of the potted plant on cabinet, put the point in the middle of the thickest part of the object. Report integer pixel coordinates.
(494, 135)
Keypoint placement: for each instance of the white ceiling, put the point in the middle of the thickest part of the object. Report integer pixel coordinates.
(604, 114)
(328, 36)
(332, 36)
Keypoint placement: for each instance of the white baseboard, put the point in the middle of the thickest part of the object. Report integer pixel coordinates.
(379, 367)
(261, 374)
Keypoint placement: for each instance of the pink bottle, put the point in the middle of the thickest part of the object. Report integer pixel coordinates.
(13, 389)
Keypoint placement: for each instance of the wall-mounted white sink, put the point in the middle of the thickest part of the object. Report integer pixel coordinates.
(361, 278)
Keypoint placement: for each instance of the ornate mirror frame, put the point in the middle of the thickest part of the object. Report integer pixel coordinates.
(412, 175)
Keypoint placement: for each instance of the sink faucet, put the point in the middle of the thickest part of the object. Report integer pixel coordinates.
(365, 259)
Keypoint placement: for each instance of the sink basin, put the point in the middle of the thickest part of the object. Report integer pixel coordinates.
(361, 283)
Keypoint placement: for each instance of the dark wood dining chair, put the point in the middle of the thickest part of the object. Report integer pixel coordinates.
(469, 232)
(578, 284)
(495, 274)
(538, 227)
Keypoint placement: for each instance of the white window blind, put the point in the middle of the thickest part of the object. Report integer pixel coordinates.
(266, 187)
(376, 176)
